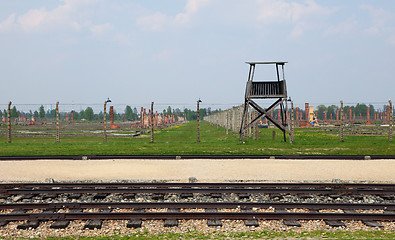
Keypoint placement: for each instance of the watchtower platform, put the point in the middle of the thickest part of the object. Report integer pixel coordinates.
(257, 89)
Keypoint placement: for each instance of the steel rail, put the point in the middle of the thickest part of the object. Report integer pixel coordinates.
(201, 185)
(196, 190)
(201, 205)
(197, 215)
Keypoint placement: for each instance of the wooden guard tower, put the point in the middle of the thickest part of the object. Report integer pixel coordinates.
(266, 90)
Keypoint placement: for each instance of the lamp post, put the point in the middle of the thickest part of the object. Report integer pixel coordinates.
(198, 121)
(104, 119)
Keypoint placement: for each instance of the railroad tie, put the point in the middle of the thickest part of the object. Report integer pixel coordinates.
(135, 223)
(250, 222)
(186, 195)
(27, 196)
(60, 224)
(74, 196)
(96, 223)
(171, 222)
(29, 224)
(100, 196)
(288, 222)
(32, 223)
(213, 222)
(129, 195)
(49, 195)
(3, 223)
(334, 223)
(369, 223)
(216, 195)
(244, 196)
(158, 196)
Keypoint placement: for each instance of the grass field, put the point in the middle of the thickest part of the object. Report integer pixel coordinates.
(181, 140)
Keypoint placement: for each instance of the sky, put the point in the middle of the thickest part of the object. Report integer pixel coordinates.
(175, 52)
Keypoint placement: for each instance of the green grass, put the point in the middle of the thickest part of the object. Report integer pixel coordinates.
(243, 235)
(181, 140)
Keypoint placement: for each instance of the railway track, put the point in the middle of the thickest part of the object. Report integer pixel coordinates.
(32, 206)
(163, 188)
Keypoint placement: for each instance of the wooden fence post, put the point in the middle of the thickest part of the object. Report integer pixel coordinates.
(9, 123)
(152, 121)
(341, 120)
(57, 122)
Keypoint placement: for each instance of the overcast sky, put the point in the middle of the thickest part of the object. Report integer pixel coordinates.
(174, 52)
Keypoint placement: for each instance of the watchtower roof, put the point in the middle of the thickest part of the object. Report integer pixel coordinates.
(279, 63)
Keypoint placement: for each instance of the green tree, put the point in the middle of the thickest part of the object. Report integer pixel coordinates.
(361, 109)
(128, 112)
(51, 113)
(321, 111)
(168, 110)
(14, 112)
(332, 110)
(82, 115)
(89, 114)
(41, 112)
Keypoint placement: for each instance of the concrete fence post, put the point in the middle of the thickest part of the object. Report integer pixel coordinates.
(152, 121)
(292, 121)
(341, 120)
(57, 122)
(9, 123)
(104, 123)
(198, 122)
(390, 122)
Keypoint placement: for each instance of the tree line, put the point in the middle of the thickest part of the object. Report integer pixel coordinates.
(129, 114)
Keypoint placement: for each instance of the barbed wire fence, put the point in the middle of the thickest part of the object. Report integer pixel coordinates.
(139, 116)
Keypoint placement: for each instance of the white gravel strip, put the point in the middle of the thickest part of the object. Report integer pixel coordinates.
(205, 170)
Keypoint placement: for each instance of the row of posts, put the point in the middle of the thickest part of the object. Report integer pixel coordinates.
(230, 119)
(58, 125)
(151, 122)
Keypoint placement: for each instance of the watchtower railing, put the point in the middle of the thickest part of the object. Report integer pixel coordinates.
(267, 89)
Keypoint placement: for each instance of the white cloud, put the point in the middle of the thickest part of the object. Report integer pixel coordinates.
(8, 23)
(154, 22)
(302, 16)
(382, 24)
(191, 8)
(344, 28)
(164, 55)
(100, 29)
(159, 21)
(379, 18)
(70, 14)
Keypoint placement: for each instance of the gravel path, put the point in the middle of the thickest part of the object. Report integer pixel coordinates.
(205, 170)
